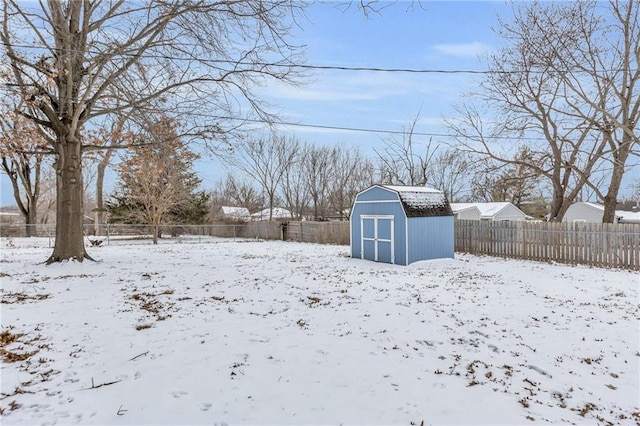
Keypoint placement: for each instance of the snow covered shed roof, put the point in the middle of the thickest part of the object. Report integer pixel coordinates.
(422, 201)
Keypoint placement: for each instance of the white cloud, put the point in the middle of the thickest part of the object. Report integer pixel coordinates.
(424, 123)
(321, 93)
(356, 86)
(472, 49)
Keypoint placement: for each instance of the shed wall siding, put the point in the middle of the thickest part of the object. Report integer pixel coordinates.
(377, 194)
(419, 237)
(377, 209)
(430, 238)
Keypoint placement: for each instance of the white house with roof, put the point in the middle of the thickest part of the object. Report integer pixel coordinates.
(278, 213)
(583, 211)
(494, 212)
(239, 214)
(11, 218)
(467, 211)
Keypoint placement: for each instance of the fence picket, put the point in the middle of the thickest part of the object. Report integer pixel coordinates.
(594, 244)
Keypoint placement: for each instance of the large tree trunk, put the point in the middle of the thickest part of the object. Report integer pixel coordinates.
(557, 200)
(611, 198)
(69, 242)
(156, 233)
(99, 210)
(31, 222)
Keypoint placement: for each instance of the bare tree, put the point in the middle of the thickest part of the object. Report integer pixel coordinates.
(566, 83)
(266, 160)
(351, 173)
(635, 193)
(610, 55)
(316, 164)
(22, 162)
(74, 61)
(109, 133)
(497, 181)
(294, 190)
(452, 171)
(565, 157)
(236, 192)
(47, 199)
(403, 161)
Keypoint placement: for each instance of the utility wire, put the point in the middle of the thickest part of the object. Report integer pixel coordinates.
(364, 129)
(331, 67)
(305, 66)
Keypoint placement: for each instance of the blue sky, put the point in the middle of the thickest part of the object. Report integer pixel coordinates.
(442, 35)
(449, 35)
(437, 35)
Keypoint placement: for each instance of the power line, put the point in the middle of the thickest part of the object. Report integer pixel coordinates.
(321, 67)
(390, 70)
(303, 66)
(328, 127)
(363, 129)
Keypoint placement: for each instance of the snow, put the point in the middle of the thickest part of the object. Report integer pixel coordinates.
(251, 332)
(236, 213)
(277, 213)
(421, 189)
(628, 217)
(420, 198)
(486, 209)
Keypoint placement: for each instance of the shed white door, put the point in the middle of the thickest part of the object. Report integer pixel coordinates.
(377, 238)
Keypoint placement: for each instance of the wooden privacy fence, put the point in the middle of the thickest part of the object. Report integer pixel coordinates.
(303, 231)
(602, 245)
(596, 244)
(318, 232)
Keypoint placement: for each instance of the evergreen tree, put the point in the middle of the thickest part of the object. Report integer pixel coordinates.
(157, 180)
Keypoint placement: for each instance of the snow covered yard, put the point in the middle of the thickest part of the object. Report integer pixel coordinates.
(272, 332)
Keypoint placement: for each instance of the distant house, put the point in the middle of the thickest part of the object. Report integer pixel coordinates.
(467, 211)
(11, 218)
(583, 211)
(276, 214)
(494, 212)
(236, 214)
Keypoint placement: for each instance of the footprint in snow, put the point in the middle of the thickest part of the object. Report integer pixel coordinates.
(205, 406)
(179, 394)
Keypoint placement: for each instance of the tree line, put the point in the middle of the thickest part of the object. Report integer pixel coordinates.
(555, 115)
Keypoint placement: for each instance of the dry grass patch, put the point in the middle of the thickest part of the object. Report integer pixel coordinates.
(7, 338)
(9, 298)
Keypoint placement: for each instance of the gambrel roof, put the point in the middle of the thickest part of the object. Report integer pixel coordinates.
(422, 201)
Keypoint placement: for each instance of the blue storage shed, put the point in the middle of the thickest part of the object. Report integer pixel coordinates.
(401, 224)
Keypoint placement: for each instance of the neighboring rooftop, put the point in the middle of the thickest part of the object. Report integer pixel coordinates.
(278, 213)
(486, 209)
